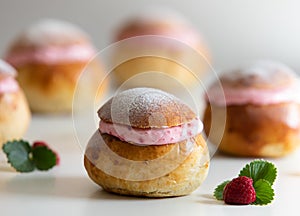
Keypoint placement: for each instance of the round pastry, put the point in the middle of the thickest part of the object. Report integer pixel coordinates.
(149, 143)
(49, 57)
(263, 111)
(14, 111)
(153, 54)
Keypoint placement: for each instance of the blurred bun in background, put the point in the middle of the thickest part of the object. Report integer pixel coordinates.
(49, 56)
(159, 48)
(262, 103)
(14, 111)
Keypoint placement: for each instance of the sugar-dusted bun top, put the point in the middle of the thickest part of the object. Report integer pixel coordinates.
(50, 32)
(50, 42)
(146, 108)
(6, 70)
(160, 22)
(158, 15)
(262, 74)
(265, 82)
(7, 78)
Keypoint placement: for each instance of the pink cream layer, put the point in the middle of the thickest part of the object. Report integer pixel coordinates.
(153, 136)
(8, 84)
(229, 95)
(51, 55)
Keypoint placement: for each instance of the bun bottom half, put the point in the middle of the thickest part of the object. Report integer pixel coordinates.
(138, 72)
(147, 171)
(50, 88)
(255, 131)
(14, 116)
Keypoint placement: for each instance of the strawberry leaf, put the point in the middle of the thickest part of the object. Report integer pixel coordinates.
(264, 192)
(260, 169)
(43, 157)
(18, 155)
(218, 193)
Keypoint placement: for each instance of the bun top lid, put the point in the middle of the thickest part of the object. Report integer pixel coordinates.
(160, 22)
(263, 74)
(158, 15)
(6, 70)
(50, 32)
(146, 108)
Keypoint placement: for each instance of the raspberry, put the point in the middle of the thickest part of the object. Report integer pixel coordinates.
(41, 143)
(239, 191)
(57, 158)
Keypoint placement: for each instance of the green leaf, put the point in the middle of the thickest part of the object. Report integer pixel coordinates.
(18, 155)
(43, 158)
(260, 169)
(218, 193)
(264, 192)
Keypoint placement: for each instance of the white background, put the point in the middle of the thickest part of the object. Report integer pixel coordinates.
(237, 32)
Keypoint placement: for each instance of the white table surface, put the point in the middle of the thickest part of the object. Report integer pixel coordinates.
(66, 189)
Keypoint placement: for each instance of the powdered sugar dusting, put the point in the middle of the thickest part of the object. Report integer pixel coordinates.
(141, 100)
(7, 80)
(51, 31)
(265, 72)
(161, 22)
(6, 69)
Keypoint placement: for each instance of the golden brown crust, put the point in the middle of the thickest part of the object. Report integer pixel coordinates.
(50, 88)
(257, 131)
(168, 63)
(147, 108)
(261, 75)
(14, 116)
(174, 72)
(255, 81)
(136, 28)
(134, 152)
(182, 180)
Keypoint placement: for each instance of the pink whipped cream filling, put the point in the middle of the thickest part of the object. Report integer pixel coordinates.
(8, 84)
(153, 136)
(51, 55)
(238, 96)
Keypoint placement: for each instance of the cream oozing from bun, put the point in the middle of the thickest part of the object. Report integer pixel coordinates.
(153, 136)
(52, 55)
